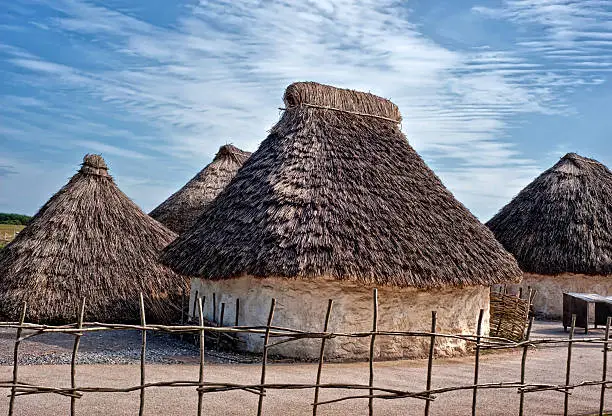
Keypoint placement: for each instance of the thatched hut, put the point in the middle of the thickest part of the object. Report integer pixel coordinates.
(333, 203)
(182, 209)
(89, 241)
(559, 228)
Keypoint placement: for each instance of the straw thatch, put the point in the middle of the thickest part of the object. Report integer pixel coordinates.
(334, 192)
(562, 221)
(180, 211)
(89, 240)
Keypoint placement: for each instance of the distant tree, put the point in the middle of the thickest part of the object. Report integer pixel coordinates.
(15, 219)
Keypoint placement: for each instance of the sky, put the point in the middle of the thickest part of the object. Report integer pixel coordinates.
(491, 92)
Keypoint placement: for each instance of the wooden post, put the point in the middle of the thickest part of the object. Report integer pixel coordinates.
(143, 351)
(569, 364)
(195, 303)
(264, 360)
(75, 349)
(604, 376)
(220, 324)
(523, 362)
(214, 305)
(432, 343)
(181, 336)
(372, 339)
(321, 356)
(201, 375)
(183, 306)
(16, 358)
(477, 361)
(237, 311)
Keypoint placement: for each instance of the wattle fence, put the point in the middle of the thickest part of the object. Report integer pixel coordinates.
(274, 335)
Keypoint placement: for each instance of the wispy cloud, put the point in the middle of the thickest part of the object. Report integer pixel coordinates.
(217, 72)
(6, 170)
(577, 33)
(109, 150)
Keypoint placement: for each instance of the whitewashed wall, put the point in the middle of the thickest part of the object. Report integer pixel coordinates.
(549, 297)
(302, 304)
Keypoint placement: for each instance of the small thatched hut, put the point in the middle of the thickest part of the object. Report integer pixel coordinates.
(180, 211)
(333, 203)
(89, 241)
(559, 228)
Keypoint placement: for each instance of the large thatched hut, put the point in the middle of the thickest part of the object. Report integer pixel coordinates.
(559, 228)
(333, 203)
(182, 209)
(89, 241)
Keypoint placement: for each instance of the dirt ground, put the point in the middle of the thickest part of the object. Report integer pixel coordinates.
(543, 365)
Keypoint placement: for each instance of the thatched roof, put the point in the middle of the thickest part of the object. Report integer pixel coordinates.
(335, 190)
(182, 209)
(89, 240)
(562, 221)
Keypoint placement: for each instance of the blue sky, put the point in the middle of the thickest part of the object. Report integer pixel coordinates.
(491, 92)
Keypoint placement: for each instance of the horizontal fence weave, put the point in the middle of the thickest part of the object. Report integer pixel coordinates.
(274, 335)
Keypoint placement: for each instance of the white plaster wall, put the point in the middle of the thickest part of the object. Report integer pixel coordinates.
(301, 304)
(548, 301)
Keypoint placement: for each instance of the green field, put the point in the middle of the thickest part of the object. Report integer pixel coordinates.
(7, 231)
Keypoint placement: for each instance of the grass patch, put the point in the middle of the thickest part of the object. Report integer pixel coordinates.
(7, 232)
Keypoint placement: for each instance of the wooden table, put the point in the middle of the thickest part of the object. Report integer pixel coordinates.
(578, 303)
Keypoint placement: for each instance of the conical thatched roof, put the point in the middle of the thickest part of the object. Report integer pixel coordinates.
(562, 221)
(182, 209)
(336, 191)
(89, 240)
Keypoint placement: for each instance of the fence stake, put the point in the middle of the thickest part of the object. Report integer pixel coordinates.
(201, 375)
(604, 376)
(75, 349)
(432, 343)
(16, 357)
(237, 311)
(264, 359)
(143, 351)
(523, 362)
(321, 356)
(372, 339)
(569, 363)
(477, 361)
(221, 325)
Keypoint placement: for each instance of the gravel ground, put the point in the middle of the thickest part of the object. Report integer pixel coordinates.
(111, 347)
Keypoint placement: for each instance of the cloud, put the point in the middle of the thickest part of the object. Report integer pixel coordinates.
(573, 32)
(17, 176)
(6, 170)
(217, 72)
(97, 147)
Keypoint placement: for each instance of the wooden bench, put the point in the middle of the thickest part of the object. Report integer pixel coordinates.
(578, 304)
